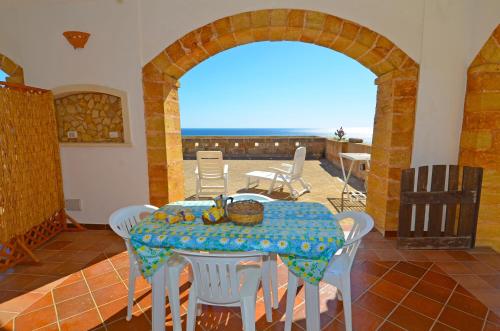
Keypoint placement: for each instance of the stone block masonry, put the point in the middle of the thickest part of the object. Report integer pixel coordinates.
(94, 117)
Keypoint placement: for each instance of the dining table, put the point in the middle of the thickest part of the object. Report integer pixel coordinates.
(306, 235)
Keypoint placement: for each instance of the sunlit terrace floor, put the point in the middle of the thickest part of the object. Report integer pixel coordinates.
(82, 283)
(326, 181)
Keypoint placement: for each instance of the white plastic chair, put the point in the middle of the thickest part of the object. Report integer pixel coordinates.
(338, 272)
(272, 258)
(285, 176)
(221, 280)
(211, 168)
(122, 221)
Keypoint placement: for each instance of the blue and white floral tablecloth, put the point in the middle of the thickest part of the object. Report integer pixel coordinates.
(305, 234)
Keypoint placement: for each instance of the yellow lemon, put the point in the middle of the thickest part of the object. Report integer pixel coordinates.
(161, 215)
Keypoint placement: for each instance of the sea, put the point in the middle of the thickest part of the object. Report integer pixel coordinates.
(364, 133)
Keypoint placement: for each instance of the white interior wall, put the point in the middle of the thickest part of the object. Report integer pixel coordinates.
(442, 35)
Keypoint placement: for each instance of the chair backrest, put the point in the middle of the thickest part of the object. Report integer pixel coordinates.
(251, 196)
(123, 219)
(298, 162)
(210, 164)
(215, 274)
(363, 223)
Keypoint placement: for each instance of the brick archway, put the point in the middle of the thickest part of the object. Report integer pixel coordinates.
(15, 72)
(480, 140)
(396, 97)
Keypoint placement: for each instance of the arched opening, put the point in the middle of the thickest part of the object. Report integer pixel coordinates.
(13, 73)
(480, 140)
(396, 72)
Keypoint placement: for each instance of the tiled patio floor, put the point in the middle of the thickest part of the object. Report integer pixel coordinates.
(82, 285)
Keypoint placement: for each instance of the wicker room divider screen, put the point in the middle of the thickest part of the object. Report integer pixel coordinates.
(31, 193)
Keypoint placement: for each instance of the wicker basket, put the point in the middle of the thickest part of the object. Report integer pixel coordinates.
(245, 212)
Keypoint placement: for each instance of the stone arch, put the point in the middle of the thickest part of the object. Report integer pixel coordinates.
(396, 97)
(480, 139)
(15, 71)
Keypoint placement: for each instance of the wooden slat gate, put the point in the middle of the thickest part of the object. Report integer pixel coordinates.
(437, 214)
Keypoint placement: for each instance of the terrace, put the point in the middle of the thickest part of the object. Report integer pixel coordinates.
(101, 132)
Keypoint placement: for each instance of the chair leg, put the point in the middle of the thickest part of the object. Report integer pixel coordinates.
(173, 296)
(271, 188)
(274, 279)
(290, 300)
(346, 302)
(192, 307)
(197, 189)
(248, 313)
(131, 289)
(312, 307)
(266, 287)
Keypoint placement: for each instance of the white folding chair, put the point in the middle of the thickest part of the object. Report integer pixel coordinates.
(221, 280)
(338, 272)
(283, 176)
(122, 221)
(210, 169)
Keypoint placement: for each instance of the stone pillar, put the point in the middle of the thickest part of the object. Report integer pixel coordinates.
(391, 146)
(164, 145)
(480, 145)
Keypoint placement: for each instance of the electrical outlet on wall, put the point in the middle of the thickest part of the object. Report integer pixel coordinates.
(73, 204)
(72, 134)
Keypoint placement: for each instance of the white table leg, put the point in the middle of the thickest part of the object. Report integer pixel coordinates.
(312, 307)
(158, 289)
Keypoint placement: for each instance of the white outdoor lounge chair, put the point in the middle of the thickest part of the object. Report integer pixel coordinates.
(285, 176)
(210, 169)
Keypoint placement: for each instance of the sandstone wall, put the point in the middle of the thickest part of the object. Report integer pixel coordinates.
(254, 147)
(334, 147)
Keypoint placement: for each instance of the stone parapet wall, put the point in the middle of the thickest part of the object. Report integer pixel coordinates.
(334, 147)
(251, 147)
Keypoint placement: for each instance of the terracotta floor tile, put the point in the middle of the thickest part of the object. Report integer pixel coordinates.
(110, 293)
(409, 269)
(493, 280)
(454, 268)
(461, 256)
(442, 327)
(299, 317)
(489, 297)
(6, 317)
(85, 321)
(70, 291)
(44, 301)
(401, 279)
(17, 282)
(336, 325)
(74, 306)
(410, 320)
(371, 268)
(96, 269)
(17, 302)
(50, 327)
(468, 305)
(117, 309)
(437, 255)
(437, 293)
(491, 327)
(56, 245)
(479, 268)
(423, 305)
(362, 319)
(494, 318)
(35, 319)
(388, 326)
(376, 304)
(439, 279)
(472, 282)
(137, 323)
(460, 289)
(389, 290)
(103, 280)
(460, 320)
(411, 255)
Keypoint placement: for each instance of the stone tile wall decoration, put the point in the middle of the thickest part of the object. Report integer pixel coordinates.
(89, 117)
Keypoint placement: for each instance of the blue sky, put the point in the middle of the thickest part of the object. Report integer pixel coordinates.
(2, 76)
(277, 85)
